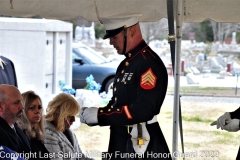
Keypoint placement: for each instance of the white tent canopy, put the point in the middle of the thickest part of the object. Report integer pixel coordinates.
(151, 10)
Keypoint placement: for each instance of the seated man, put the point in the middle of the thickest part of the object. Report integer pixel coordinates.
(10, 110)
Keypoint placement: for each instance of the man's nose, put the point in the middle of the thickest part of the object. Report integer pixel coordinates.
(111, 41)
(21, 106)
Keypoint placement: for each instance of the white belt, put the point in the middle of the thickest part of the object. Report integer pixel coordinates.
(153, 120)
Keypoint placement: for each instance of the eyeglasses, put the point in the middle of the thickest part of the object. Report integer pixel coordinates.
(33, 108)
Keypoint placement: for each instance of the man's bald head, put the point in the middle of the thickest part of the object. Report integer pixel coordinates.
(7, 90)
(10, 103)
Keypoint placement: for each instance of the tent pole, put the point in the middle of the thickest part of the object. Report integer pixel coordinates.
(178, 13)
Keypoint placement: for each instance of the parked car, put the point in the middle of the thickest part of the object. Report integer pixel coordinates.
(86, 62)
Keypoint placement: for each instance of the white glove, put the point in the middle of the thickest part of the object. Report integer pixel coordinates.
(90, 116)
(232, 126)
(222, 120)
(81, 114)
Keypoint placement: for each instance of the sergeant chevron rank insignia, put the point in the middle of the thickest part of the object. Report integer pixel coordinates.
(148, 79)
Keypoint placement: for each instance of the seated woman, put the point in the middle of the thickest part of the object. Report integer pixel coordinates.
(60, 139)
(32, 124)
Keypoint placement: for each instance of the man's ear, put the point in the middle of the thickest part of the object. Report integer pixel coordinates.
(132, 31)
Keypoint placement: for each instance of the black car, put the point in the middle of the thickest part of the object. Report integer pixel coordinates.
(85, 62)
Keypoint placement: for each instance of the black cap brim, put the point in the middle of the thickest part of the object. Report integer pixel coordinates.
(111, 33)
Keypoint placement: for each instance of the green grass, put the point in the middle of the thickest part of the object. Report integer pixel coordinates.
(226, 141)
(218, 137)
(196, 119)
(192, 145)
(223, 134)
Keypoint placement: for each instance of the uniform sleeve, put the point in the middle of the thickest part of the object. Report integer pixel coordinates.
(235, 114)
(110, 103)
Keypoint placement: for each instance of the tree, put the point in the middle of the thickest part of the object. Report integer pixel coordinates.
(99, 30)
(206, 31)
(188, 28)
(223, 30)
(203, 31)
(209, 30)
(154, 30)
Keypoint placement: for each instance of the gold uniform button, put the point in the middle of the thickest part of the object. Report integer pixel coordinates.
(129, 54)
(115, 89)
(122, 71)
(118, 109)
(111, 106)
(118, 80)
(144, 50)
(126, 63)
(125, 82)
(101, 111)
(115, 98)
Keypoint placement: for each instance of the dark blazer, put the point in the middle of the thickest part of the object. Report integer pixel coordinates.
(8, 74)
(10, 139)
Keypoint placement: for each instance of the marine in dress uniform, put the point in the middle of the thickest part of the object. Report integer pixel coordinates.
(139, 90)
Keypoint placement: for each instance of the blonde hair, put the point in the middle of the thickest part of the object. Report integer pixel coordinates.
(59, 108)
(38, 129)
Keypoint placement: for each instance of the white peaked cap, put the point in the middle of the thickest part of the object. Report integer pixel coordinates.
(116, 21)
